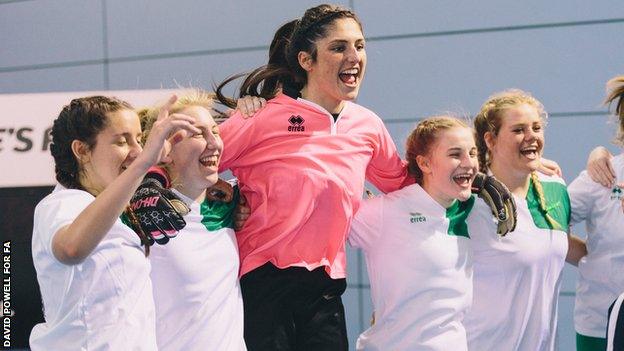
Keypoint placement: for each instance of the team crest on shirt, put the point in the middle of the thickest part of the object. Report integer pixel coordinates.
(616, 193)
(296, 124)
(416, 217)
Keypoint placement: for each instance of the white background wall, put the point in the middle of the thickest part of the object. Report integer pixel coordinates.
(424, 57)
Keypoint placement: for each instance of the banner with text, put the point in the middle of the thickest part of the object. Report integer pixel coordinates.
(25, 125)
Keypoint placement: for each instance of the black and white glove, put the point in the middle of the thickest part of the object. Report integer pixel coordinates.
(157, 211)
(499, 199)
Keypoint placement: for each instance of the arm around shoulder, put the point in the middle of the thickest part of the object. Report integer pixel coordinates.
(238, 135)
(367, 223)
(576, 249)
(386, 170)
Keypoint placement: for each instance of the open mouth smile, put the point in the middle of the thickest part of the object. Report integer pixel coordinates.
(463, 179)
(350, 76)
(209, 161)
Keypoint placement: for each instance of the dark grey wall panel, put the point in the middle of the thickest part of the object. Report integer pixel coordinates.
(199, 71)
(155, 27)
(566, 68)
(90, 77)
(37, 32)
(570, 139)
(401, 17)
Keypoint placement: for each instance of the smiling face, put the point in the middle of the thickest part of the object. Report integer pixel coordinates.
(195, 158)
(518, 145)
(337, 72)
(116, 146)
(450, 165)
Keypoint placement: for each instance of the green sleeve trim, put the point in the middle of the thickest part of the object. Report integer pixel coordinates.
(457, 215)
(217, 215)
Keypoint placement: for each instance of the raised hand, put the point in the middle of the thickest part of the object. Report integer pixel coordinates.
(157, 146)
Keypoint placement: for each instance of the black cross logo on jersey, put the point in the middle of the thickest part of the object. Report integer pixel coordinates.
(296, 120)
(296, 124)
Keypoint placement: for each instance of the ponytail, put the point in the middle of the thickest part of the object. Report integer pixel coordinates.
(481, 127)
(264, 81)
(283, 70)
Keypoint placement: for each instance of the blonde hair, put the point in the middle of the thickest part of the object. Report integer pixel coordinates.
(422, 138)
(489, 119)
(615, 91)
(191, 97)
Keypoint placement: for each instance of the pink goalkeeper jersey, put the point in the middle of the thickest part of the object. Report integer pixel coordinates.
(303, 176)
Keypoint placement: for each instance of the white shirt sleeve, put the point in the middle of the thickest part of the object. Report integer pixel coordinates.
(366, 225)
(583, 193)
(57, 211)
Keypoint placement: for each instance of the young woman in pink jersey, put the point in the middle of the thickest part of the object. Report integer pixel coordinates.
(302, 162)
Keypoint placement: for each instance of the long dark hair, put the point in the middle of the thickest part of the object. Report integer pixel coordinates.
(283, 69)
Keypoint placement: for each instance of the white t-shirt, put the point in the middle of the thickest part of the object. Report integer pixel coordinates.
(602, 270)
(196, 290)
(517, 277)
(419, 263)
(103, 303)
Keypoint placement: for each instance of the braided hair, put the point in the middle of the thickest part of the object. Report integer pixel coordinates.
(489, 119)
(83, 119)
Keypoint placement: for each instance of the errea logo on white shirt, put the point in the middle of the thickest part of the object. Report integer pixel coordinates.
(416, 217)
(616, 193)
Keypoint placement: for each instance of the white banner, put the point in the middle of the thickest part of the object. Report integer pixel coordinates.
(25, 124)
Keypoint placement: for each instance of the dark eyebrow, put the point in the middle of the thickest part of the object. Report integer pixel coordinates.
(344, 41)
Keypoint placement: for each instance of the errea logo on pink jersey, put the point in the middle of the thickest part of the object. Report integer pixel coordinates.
(296, 124)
